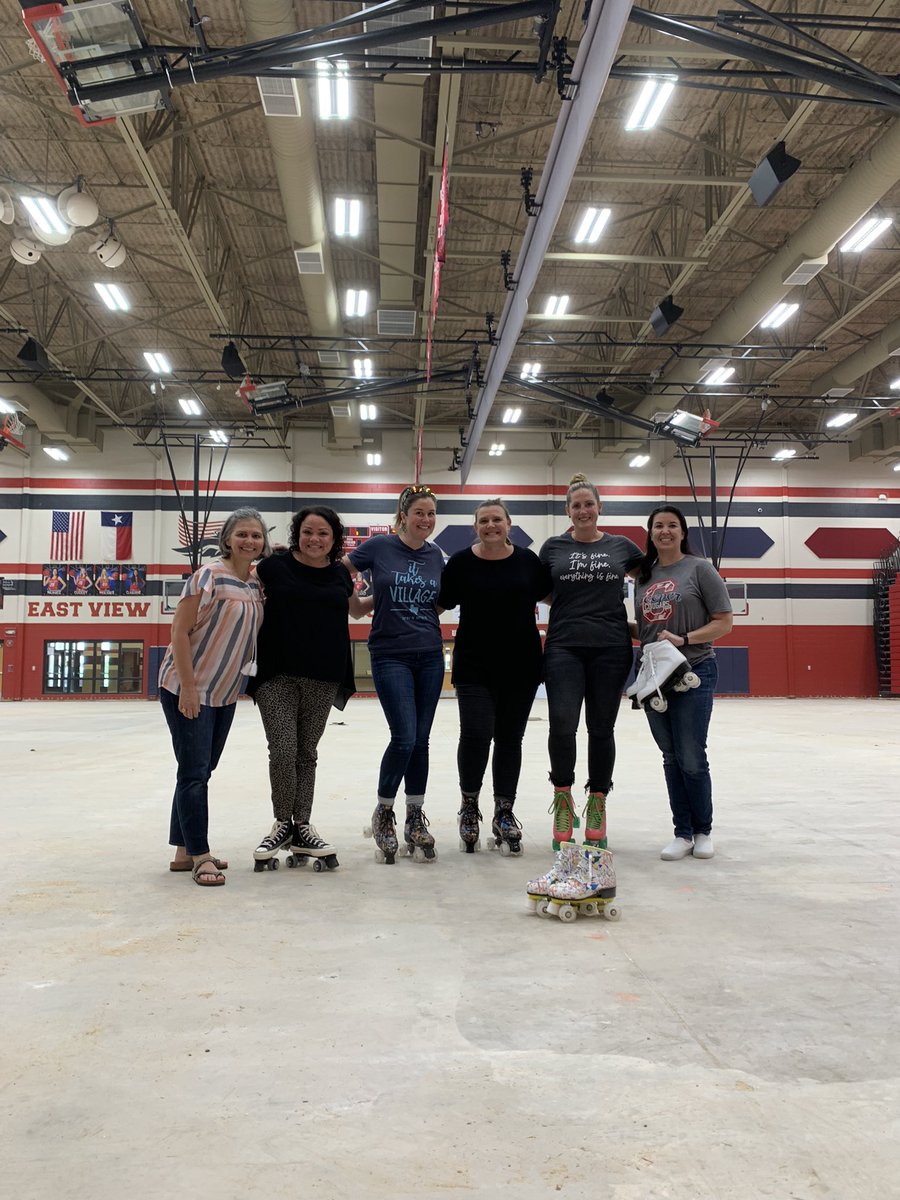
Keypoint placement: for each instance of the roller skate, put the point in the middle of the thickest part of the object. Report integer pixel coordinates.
(538, 890)
(264, 855)
(469, 818)
(506, 830)
(306, 844)
(419, 842)
(565, 820)
(588, 890)
(594, 813)
(384, 830)
(663, 669)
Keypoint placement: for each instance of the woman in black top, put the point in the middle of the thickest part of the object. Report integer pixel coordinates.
(496, 667)
(304, 667)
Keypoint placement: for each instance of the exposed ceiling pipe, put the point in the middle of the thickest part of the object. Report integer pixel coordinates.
(603, 31)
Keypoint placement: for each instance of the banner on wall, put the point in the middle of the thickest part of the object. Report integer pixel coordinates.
(81, 579)
(66, 535)
(115, 536)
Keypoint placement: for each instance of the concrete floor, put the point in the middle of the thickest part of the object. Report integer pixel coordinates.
(411, 1030)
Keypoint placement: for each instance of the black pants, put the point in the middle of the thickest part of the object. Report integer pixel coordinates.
(595, 678)
(495, 714)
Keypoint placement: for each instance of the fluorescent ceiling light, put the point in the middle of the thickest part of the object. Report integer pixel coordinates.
(368, 412)
(496, 449)
(530, 371)
(356, 303)
(362, 368)
(777, 316)
(55, 452)
(895, 385)
(897, 466)
(511, 415)
(219, 435)
(189, 406)
(113, 297)
(373, 460)
(640, 460)
(652, 99)
(158, 363)
(556, 306)
(347, 214)
(44, 214)
(865, 234)
(720, 375)
(333, 90)
(591, 225)
(781, 455)
(6, 407)
(839, 420)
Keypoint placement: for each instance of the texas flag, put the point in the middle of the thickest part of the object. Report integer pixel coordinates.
(115, 536)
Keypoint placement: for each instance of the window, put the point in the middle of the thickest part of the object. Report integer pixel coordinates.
(93, 668)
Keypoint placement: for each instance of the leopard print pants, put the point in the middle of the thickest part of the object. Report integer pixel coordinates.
(294, 714)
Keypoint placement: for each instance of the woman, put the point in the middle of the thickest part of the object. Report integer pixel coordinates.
(681, 599)
(304, 667)
(496, 667)
(587, 656)
(406, 650)
(213, 643)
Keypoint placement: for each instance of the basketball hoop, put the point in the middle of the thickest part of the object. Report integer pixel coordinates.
(12, 432)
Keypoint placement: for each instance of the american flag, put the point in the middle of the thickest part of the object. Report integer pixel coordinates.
(67, 536)
(208, 535)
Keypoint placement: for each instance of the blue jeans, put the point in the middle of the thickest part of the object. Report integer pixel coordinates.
(408, 687)
(198, 746)
(492, 714)
(680, 732)
(596, 678)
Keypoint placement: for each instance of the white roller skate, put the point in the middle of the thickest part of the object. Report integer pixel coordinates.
(589, 889)
(663, 669)
(305, 844)
(264, 856)
(538, 890)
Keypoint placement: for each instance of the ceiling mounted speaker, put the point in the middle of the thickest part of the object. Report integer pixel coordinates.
(664, 316)
(25, 251)
(110, 251)
(34, 356)
(772, 174)
(232, 363)
(7, 209)
(77, 207)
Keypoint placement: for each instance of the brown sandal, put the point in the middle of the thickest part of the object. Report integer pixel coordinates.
(187, 864)
(205, 876)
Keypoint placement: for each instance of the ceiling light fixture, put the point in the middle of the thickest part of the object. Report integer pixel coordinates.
(219, 436)
(373, 460)
(782, 455)
(777, 316)
(189, 406)
(511, 415)
(113, 297)
(158, 363)
(496, 449)
(865, 234)
(356, 303)
(44, 217)
(368, 412)
(333, 90)
(652, 99)
(530, 371)
(56, 453)
(556, 306)
(347, 217)
(362, 368)
(639, 460)
(591, 226)
(720, 375)
(839, 420)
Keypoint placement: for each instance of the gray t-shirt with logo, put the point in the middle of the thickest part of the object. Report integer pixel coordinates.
(588, 607)
(681, 597)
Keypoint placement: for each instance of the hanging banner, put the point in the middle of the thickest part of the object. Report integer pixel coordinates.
(440, 251)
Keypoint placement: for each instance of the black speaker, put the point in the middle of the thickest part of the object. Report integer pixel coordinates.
(664, 316)
(34, 356)
(232, 363)
(772, 174)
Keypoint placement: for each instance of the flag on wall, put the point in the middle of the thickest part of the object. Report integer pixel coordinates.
(115, 536)
(66, 536)
(210, 535)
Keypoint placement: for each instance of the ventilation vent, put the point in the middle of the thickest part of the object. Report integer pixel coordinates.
(310, 260)
(397, 322)
(837, 393)
(418, 48)
(329, 358)
(280, 97)
(805, 270)
(341, 410)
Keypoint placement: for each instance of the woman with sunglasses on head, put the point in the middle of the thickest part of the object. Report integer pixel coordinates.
(304, 667)
(212, 650)
(496, 667)
(587, 656)
(407, 657)
(680, 598)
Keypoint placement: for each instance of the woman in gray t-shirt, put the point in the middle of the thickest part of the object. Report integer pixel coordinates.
(681, 599)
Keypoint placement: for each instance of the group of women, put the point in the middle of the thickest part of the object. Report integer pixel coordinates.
(303, 667)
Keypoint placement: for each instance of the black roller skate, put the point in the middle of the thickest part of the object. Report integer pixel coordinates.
(506, 829)
(264, 854)
(384, 830)
(419, 842)
(307, 844)
(469, 818)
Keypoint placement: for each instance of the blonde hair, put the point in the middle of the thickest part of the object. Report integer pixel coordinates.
(408, 497)
(581, 483)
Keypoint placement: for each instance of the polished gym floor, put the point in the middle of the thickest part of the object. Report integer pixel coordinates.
(412, 1031)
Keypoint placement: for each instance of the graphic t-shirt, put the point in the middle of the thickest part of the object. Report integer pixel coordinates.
(405, 584)
(680, 597)
(588, 608)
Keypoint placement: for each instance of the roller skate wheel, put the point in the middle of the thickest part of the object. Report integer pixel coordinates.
(318, 865)
(589, 908)
(274, 864)
(290, 861)
(612, 912)
(404, 851)
(690, 679)
(542, 908)
(658, 704)
(567, 913)
(505, 850)
(468, 847)
(491, 843)
(367, 831)
(532, 904)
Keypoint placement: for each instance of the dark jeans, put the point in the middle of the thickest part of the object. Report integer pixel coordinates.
(596, 678)
(198, 746)
(408, 687)
(680, 732)
(498, 715)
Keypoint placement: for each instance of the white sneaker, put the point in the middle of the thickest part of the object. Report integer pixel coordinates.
(677, 848)
(703, 846)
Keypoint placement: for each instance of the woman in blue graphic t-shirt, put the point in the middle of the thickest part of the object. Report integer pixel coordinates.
(407, 656)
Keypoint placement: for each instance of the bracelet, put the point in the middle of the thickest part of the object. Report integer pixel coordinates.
(686, 641)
